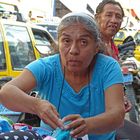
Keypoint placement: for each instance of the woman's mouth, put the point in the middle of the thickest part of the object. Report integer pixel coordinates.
(73, 62)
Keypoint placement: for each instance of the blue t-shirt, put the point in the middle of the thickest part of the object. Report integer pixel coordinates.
(89, 101)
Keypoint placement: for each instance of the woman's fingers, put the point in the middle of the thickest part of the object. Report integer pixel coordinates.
(49, 114)
(79, 131)
(54, 119)
(77, 125)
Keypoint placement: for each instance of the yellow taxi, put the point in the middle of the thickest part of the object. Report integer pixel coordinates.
(20, 44)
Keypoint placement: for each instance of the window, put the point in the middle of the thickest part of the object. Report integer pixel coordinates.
(44, 42)
(41, 37)
(20, 46)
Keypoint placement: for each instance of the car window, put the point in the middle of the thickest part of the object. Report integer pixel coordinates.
(43, 40)
(41, 37)
(20, 46)
(2, 55)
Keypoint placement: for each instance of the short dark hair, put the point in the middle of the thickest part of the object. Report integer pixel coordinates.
(101, 5)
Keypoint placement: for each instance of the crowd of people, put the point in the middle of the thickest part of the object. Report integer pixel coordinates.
(81, 84)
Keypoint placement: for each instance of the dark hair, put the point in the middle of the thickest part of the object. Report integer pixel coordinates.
(101, 5)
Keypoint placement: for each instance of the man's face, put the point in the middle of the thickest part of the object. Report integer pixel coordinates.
(110, 20)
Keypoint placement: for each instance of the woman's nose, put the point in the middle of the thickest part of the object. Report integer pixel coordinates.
(74, 49)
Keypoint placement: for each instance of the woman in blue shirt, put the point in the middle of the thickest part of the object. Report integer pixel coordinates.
(78, 85)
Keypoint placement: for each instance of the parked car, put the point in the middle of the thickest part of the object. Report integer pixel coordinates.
(20, 44)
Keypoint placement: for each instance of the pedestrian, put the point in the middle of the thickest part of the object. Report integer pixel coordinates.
(109, 16)
(79, 86)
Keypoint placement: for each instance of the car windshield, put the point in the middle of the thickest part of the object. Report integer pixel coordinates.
(20, 46)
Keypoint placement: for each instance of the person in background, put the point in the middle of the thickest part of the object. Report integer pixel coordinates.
(78, 86)
(109, 16)
(30, 15)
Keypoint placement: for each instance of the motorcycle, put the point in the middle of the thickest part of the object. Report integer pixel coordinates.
(131, 74)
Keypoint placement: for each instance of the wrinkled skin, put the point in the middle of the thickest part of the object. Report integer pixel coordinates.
(76, 43)
(110, 20)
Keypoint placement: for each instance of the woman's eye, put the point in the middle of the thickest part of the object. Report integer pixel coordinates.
(108, 15)
(83, 42)
(66, 40)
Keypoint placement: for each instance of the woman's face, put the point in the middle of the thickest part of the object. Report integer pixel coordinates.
(110, 20)
(77, 48)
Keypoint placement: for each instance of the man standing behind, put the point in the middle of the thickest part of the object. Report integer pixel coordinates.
(109, 16)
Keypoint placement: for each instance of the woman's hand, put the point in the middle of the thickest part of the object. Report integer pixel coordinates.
(48, 113)
(77, 125)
